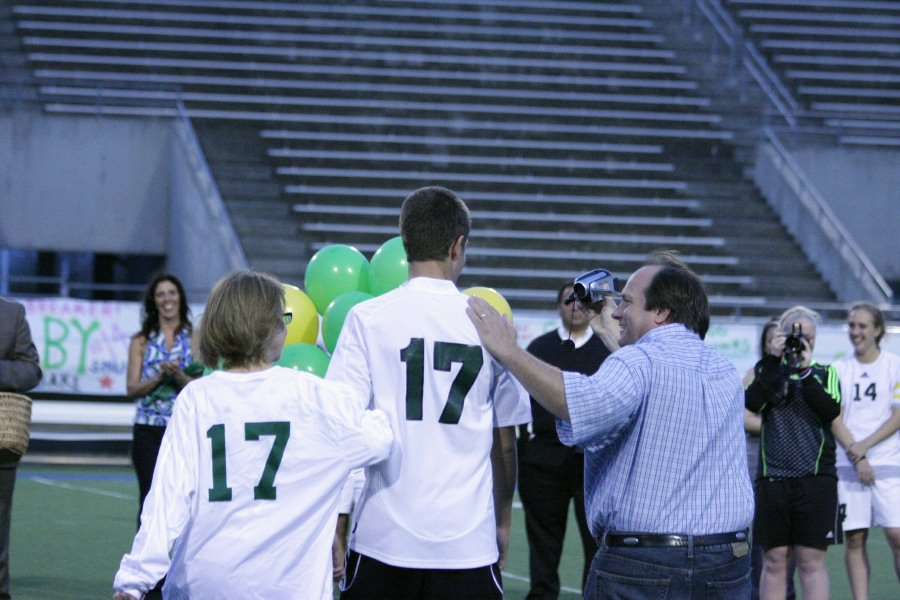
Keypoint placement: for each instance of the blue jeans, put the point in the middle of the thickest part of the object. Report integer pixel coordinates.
(707, 572)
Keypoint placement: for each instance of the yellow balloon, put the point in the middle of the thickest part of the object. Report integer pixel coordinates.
(304, 325)
(494, 298)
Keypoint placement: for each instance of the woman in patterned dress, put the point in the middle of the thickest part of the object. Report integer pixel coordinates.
(160, 363)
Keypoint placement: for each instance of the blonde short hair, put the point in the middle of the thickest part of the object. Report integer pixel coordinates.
(794, 314)
(243, 313)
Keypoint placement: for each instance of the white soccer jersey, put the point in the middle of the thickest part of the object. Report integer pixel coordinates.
(416, 354)
(869, 392)
(247, 485)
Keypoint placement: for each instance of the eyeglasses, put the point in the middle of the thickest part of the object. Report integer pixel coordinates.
(288, 317)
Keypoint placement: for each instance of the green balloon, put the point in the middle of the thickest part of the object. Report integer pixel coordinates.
(333, 319)
(305, 357)
(335, 270)
(389, 267)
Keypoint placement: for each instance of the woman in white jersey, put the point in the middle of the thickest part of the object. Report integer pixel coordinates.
(868, 460)
(245, 492)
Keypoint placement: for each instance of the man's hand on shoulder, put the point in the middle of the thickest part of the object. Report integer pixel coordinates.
(497, 334)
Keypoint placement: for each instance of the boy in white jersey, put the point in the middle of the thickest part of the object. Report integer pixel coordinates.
(868, 462)
(245, 491)
(434, 519)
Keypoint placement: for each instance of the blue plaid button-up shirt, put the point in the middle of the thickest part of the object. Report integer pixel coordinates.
(661, 422)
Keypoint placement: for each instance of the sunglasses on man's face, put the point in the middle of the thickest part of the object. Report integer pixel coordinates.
(288, 317)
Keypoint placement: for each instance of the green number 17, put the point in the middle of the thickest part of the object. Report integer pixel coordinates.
(445, 354)
(264, 490)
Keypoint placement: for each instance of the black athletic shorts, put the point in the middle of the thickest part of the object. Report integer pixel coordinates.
(799, 511)
(368, 579)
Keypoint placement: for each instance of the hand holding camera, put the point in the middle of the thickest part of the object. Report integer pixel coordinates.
(592, 288)
(595, 292)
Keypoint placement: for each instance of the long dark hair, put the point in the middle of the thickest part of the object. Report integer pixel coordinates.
(150, 314)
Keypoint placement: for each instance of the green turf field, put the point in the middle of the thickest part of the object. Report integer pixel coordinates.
(71, 526)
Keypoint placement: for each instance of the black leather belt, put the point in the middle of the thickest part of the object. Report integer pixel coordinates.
(670, 540)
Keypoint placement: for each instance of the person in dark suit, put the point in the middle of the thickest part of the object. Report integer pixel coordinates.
(19, 372)
(550, 473)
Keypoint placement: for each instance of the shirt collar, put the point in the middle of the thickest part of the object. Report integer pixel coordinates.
(432, 285)
(670, 330)
(579, 340)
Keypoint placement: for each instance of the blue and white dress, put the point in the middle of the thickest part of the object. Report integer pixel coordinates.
(156, 407)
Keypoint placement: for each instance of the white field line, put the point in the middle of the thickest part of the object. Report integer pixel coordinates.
(77, 488)
(521, 578)
(101, 492)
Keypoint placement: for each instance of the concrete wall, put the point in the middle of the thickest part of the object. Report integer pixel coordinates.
(70, 183)
(862, 187)
(202, 245)
(118, 185)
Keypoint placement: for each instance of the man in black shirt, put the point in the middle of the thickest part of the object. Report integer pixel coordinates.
(550, 473)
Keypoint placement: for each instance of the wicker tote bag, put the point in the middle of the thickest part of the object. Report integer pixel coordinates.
(15, 425)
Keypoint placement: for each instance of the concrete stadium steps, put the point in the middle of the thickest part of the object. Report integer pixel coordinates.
(580, 224)
(609, 29)
(268, 233)
(837, 57)
(559, 114)
(574, 130)
(413, 32)
(630, 243)
(739, 213)
(475, 59)
(344, 199)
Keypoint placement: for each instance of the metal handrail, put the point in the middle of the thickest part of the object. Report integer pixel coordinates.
(771, 85)
(730, 32)
(207, 183)
(831, 226)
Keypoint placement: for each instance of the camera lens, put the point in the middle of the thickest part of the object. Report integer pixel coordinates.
(580, 291)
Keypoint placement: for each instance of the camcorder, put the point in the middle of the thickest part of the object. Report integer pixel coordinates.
(793, 346)
(591, 287)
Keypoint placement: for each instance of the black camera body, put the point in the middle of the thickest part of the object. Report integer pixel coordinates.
(793, 346)
(592, 287)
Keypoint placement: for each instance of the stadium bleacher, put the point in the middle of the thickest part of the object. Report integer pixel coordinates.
(572, 129)
(838, 58)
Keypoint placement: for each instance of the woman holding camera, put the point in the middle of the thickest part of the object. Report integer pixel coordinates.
(796, 491)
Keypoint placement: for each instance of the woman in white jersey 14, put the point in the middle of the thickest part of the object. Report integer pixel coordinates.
(868, 457)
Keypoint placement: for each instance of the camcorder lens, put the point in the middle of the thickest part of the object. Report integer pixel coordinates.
(592, 287)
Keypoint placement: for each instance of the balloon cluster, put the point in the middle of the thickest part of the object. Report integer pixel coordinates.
(338, 277)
